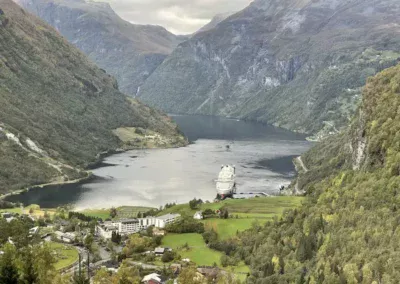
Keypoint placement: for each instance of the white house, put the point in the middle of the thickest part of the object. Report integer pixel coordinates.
(10, 219)
(8, 216)
(198, 215)
(162, 221)
(106, 229)
(34, 230)
(159, 251)
(152, 278)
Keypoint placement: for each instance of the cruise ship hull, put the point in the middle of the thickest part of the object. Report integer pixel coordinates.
(225, 184)
(226, 191)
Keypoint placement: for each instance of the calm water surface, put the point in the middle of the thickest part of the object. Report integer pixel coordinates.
(262, 154)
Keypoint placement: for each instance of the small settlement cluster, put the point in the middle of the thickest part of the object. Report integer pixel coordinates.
(114, 245)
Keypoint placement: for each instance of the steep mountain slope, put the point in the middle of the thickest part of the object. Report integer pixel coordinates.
(297, 64)
(58, 111)
(347, 231)
(128, 52)
(215, 21)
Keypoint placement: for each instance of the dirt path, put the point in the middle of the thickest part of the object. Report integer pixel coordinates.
(305, 169)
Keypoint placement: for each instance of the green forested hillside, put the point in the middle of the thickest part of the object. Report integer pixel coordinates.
(57, 109)
(348, 230)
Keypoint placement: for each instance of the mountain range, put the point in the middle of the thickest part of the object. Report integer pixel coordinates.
(128, 52)
(298, 64)
(58, 111)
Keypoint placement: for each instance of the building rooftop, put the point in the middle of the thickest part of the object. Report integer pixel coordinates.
(125, 221)
(64, 223)
(168, 216)
(208, 271)
(6, 215)
(10, 219)
(159, 250)
(153, 276)
(109, 227)
(34, 230)
(70, 236)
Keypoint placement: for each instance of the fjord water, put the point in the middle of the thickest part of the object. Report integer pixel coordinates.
(262, 154)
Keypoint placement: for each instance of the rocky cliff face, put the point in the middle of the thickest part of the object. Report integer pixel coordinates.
(128, 52)
(297, 64)
(369, 144)
(58, 111)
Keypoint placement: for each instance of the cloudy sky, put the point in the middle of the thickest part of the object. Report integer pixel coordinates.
(178, 16)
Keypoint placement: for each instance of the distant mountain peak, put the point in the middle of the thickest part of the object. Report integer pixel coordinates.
(130, 52)
(215, 21)
(297, 64)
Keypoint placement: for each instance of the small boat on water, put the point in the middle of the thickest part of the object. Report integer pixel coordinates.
(225, 184)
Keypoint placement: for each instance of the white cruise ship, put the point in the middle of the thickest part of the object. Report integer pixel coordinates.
(226, 185)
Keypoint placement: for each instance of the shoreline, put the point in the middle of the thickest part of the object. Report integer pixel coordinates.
(75, 181)
(89, 175)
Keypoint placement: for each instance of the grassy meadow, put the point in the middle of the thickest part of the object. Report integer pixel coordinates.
(122, 212)
(65, 255)
(198, 251)
(33, 210)
(261, 207)
(227, 228)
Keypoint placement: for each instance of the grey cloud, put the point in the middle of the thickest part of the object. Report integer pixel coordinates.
(178, 16)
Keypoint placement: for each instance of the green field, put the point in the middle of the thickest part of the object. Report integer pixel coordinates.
(268, 206)
(198, 252)
(261, 207)
(11, 210)
(227, 228)
(65, 255)
(122, 212)
(240, 271)
(37, 211)
(98, 213)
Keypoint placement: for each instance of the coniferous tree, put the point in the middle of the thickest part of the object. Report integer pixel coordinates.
(302, 278)
(281, 265)
(8, 270)
(113, 212)
(79, 277)
(29, 274)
